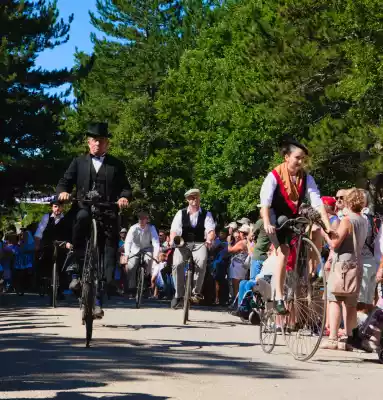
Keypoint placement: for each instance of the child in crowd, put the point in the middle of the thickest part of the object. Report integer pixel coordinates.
(23, 261)
(157, 281)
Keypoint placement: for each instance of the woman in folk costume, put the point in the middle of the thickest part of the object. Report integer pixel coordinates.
(282, 193)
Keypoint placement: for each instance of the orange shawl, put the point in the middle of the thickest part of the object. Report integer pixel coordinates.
(292, 189)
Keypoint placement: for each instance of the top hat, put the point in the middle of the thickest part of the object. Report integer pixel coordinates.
(98, 130)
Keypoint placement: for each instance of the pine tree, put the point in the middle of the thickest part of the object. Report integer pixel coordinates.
(30, 136)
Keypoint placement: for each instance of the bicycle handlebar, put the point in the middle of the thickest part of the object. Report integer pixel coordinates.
(144, 252)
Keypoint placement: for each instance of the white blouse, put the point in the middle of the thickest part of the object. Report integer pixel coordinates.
(270, 184)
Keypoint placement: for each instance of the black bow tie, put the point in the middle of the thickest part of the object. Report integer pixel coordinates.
(97, 157)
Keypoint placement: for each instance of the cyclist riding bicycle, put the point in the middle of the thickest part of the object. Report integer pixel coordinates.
(282, 194)
(53, 226)
(197, 226)
(141, 236)
(105, 174)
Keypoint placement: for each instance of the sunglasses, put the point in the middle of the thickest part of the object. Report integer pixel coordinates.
(339, 198)
(192, 197)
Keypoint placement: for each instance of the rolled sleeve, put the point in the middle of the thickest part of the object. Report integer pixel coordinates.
(42, 226)
(155, 241)
(312, 193)
(176, 226)
(267, 190)
(209, 223)
(128, 241)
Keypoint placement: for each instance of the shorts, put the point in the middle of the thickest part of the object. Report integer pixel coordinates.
(350, 301)
(237, 270)
(368, 284)
(284, 236)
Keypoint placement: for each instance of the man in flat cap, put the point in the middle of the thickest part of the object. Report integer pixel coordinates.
(196, 226)
(103, 173)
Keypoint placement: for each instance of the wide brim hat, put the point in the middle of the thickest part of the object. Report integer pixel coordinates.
(98, 130)
(244, 221)
(232, 225)
(55, 200)
(192, 192)
(244, 228)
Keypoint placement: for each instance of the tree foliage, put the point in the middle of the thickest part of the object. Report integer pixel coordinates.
(30, 138)
(201, 93)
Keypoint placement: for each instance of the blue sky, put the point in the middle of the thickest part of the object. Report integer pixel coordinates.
(62, 56)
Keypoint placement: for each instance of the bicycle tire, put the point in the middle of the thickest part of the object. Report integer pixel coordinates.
(308, 308)
(87, 302)
(188, 290)
(55, 283)
(87, 296)
(140, 285)
(268, 329)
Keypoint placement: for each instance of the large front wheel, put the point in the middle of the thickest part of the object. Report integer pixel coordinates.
(140, 285)
(91, 266)
(306, 302)
(188, 290)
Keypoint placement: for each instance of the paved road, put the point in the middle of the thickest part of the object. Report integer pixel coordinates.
(146, 354)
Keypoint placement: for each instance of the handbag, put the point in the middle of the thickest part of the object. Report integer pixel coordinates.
(344, 279)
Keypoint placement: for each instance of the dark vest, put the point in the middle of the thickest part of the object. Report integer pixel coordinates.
(54, 231)
(98, 180)
(281, 203)
(196, 234)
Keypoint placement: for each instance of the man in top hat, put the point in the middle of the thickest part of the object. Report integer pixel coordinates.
(195, 225)
(105, 174)
(53, 226)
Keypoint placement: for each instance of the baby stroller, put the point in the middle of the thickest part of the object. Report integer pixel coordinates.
(255, 303)
(368, 336)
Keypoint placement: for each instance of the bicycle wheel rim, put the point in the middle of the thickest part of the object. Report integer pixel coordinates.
(87, 302)
(268, 332)
(54, 285)
(308, 307)
(140, 286)
(187, 296)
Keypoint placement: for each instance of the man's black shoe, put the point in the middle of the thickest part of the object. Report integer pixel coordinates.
(177, 303)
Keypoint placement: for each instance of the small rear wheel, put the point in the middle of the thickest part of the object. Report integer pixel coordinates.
(268, 331)
(140, 286)
(188, 290)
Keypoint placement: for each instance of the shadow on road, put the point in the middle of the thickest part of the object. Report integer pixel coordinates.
(42, 361)
(113, 396)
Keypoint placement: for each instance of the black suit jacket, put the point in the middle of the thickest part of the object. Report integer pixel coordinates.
(78, 174)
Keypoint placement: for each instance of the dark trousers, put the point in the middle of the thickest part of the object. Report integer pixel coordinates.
(107, 239)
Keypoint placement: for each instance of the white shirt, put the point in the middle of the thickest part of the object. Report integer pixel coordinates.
(97, 162)
(177, 222)
(44, 222)
(378, 246)
(138, 239)
(270, 184)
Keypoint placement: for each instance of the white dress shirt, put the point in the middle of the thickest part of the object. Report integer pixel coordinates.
(270, 184)
(44, 222)
(177, 222)
(97, 162)
(138, 239)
